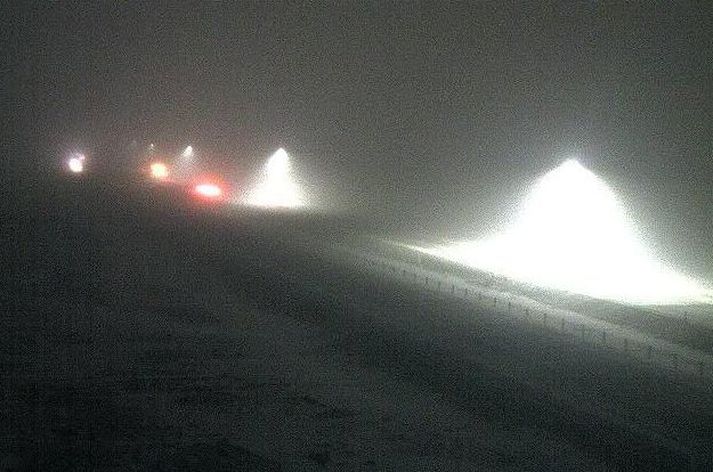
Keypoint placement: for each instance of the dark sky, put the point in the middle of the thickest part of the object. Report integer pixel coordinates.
(432, 114)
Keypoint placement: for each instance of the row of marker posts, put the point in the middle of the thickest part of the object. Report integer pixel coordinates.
(627, 346)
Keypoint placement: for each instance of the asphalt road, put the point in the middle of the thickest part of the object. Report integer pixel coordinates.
(142, 330)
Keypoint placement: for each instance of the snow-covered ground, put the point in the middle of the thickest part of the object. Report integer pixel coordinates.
(143, 332)
(665, 337)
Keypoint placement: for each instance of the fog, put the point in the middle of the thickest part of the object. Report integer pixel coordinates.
(432, 120)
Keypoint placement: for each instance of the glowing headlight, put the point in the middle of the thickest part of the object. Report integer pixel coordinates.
(159, 171)
(75, 163)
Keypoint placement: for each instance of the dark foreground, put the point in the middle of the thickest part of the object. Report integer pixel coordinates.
(143, 331)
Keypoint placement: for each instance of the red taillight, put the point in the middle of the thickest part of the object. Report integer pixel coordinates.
(208, 190)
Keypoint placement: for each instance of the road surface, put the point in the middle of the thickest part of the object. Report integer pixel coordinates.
(145, 331)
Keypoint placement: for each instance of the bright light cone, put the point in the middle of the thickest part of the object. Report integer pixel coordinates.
(572, 234)
(276, 188)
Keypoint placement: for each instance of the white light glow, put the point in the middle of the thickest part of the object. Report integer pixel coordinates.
(76, 163)
(188, 152)
(159, 171)
(572, 234)
(276, 187)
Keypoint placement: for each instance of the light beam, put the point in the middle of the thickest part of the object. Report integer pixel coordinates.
(276, 187)
(573, 234)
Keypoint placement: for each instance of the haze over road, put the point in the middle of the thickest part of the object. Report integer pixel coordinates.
(143, 330)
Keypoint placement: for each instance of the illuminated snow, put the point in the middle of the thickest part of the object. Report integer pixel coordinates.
(572, 234)
(276, 187)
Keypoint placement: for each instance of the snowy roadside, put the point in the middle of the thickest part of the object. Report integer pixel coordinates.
(504, 298)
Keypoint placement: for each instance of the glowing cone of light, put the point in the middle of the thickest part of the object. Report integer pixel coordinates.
(276, 187)
(573, 234)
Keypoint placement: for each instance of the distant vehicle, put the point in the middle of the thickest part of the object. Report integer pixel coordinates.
(159, 171)
(75, 163)
(209, 190)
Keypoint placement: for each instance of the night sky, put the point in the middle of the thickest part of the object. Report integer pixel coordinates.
(429, 115)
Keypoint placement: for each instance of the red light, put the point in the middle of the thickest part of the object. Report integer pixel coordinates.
(208, 190)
